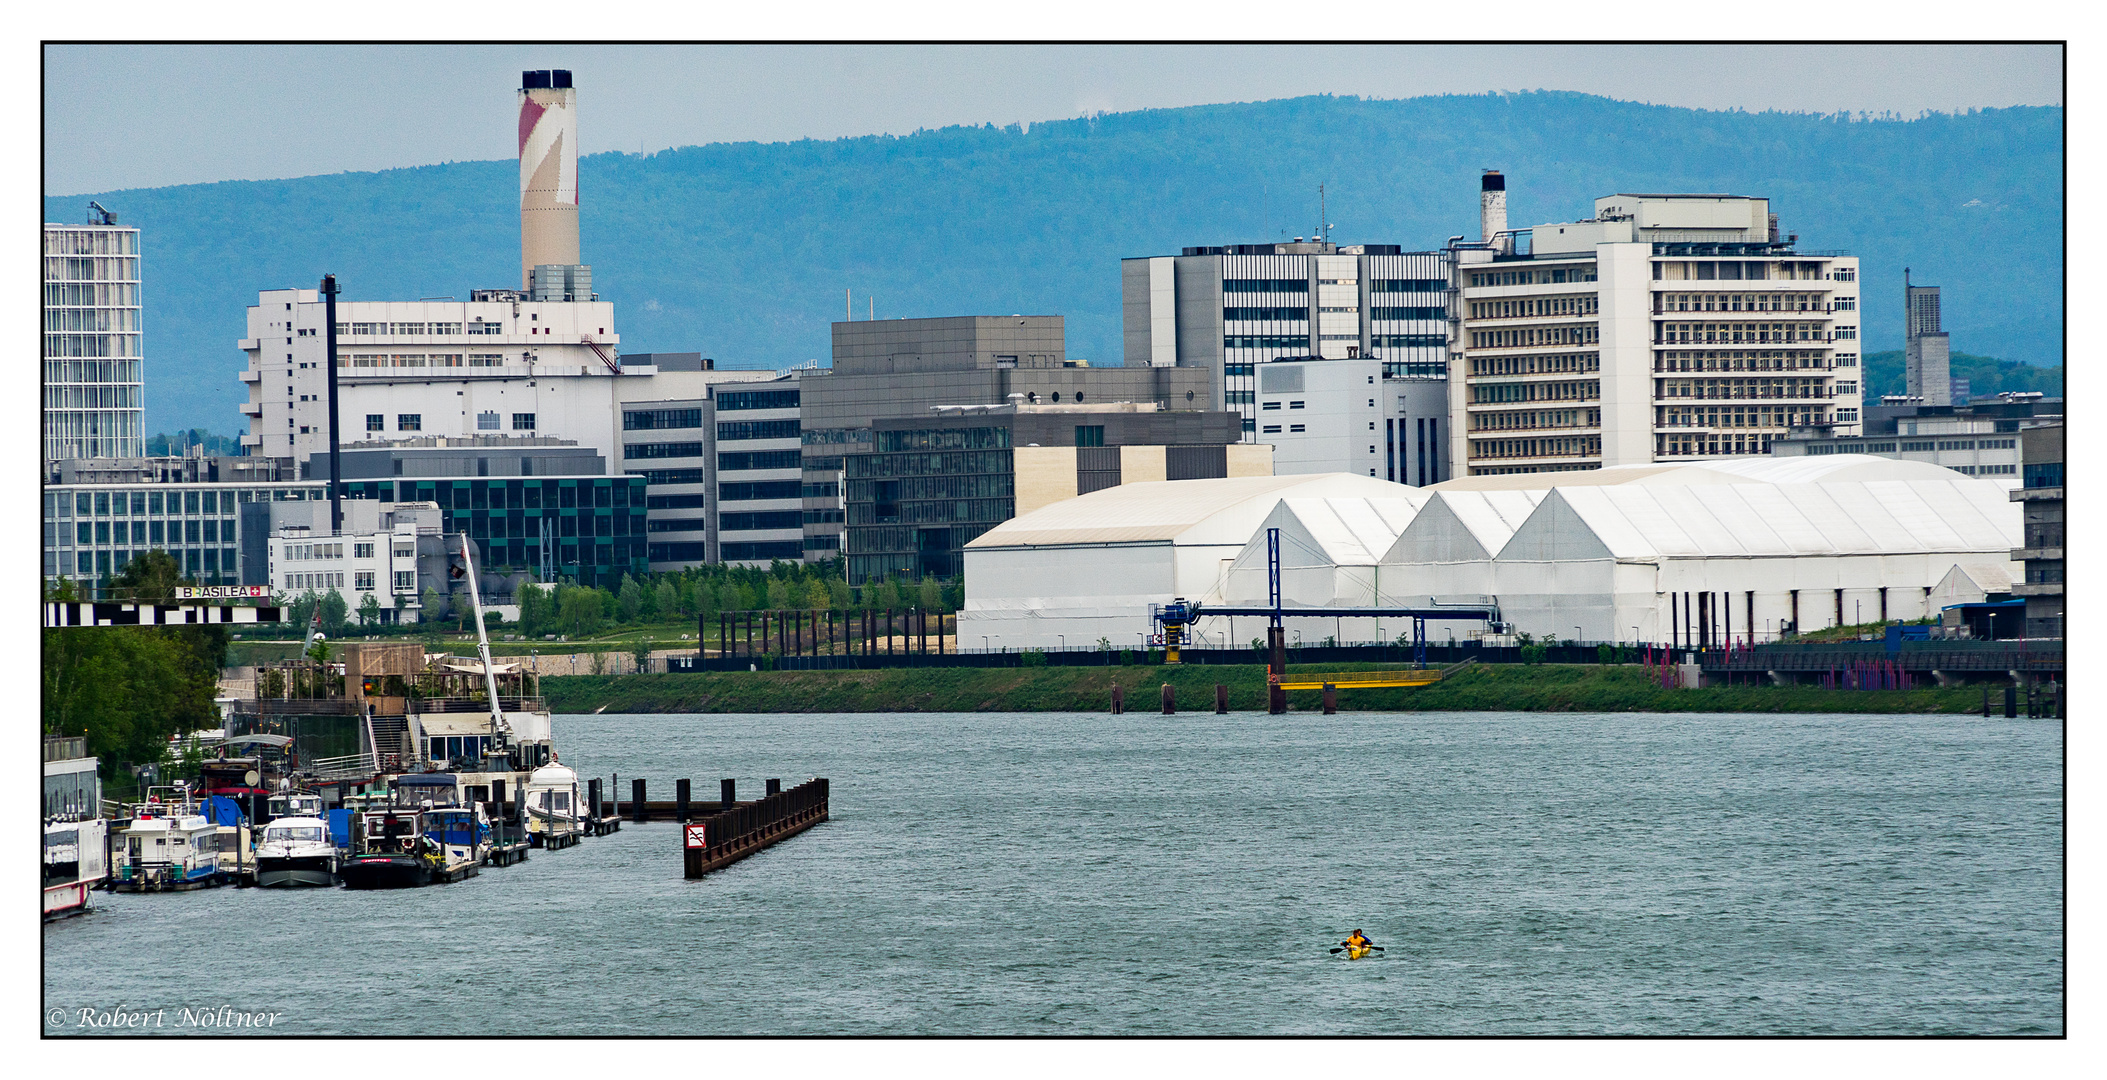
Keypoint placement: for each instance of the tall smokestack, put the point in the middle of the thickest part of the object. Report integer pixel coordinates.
(548, 172)
(1492, 205)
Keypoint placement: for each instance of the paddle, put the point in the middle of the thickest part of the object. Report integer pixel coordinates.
(1372, 948)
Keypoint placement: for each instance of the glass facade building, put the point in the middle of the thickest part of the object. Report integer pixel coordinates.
(592, 526)
(921, 496)
(93, 404)
(91, 532)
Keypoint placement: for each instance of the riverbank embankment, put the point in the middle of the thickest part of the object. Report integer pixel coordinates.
(1511, 687)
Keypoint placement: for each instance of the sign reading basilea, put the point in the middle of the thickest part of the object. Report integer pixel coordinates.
(223, 592)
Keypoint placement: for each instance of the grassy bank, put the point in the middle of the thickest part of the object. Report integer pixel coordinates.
(1533, 688)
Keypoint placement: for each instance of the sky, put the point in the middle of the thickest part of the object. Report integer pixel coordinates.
(131, 116)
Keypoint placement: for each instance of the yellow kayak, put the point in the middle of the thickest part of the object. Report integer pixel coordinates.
(1355, 952)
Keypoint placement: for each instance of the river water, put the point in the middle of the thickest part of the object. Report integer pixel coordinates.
(1066, 874)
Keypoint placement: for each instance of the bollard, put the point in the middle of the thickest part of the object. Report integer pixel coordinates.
(1331, 699)
(1119, 700)
(2011, 702)
(1221, 700)
(1170, 700)
(636, 800)
(730, 790)
(775, 787)
(680, 801)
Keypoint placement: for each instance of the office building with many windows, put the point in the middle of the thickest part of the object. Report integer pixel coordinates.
(211, 513)
(1978, 438)
(755, 452)
(1663, 328)
(93, 385)
(1227, 310)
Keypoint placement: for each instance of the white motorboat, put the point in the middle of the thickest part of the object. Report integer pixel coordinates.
(550, 802)
(296, 849)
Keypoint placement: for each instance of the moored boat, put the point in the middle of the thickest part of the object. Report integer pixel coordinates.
(76, 860)
(296, 849)
(168, 846)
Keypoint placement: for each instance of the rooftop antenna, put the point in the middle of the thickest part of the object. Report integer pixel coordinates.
(1324, 229)
(97, 215)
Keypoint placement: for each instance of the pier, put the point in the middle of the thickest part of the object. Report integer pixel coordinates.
(740, 829)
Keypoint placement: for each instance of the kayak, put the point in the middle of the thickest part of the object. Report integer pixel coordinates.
(1355, 952)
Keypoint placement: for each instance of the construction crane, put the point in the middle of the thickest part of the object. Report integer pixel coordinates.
(97, 215)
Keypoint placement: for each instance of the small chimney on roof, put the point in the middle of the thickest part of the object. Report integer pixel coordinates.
(1492, 205)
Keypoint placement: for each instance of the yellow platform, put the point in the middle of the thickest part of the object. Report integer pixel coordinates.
(1357, 680)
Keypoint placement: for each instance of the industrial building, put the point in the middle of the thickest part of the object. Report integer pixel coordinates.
(539, 362)
(1663, 328)
(93, 382)
(1675, 554)
(401, 558)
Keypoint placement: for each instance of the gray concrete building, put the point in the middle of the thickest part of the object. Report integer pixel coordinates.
(2041, 490)
(1978, 438)
(904, 368)
(932, 483)
(1927, 367)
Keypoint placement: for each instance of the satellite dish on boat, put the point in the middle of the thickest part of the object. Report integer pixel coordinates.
(250, 778)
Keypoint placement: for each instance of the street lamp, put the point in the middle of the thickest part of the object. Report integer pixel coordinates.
(1064, 641)
(1576, 635)
(983, 643)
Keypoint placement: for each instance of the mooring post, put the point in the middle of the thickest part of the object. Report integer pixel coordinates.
(775, 787)
(1221, 699)
(636, 800)
(1119, 700)
(1986, 703)
(1170, 700)
(730, 789)
(497, 799)
(1276, 666)
(680, 800)
(592, 798)
(2011, 702)
(1331, 699)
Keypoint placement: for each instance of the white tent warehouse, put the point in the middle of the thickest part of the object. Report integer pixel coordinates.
(1686, 554)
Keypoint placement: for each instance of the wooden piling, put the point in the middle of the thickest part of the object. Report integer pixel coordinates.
(736, 832)
(1331, 699)
(636, 797)
(1170, 700)
(497, 800)
(1119, 700)
(1986, 703)
(775, 787)
(2011, 702)
(680, 799)
(592, 798)
(1221, 700)
(730, 788)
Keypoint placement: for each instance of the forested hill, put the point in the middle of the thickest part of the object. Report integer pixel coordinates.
(743, 250)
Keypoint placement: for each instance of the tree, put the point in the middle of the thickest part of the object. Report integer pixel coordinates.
(578, 610)
(629, 600)
(334, 610)
(431, 605)
(666, 599)
(642, 655)
(930, 597)
(778, 594)
(816, 595)
(838, 595)
(369, 610)
(534, 608)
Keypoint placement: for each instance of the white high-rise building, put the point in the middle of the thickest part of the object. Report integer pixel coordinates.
(93, 400)
(1234, 310)
(1663, 328)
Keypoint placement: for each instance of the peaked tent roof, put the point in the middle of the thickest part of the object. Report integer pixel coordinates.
(1214, 512)
(1462, 526)
(1747, 470)
(1759, 520)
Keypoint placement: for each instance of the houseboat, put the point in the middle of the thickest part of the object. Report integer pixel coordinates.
(552, 808)
(168, 846)
(76, 860)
